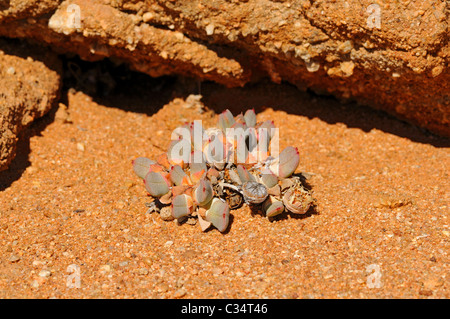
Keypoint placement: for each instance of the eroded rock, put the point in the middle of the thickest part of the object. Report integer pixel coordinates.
(29, 86)
(393, 56)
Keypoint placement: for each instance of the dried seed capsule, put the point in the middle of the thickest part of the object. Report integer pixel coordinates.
(286, 164)
(203, 194)
(141, 166)
(204, 224)
(250, 118)
(297, 200)
(156, 184)
(166, 199)
(182, 205)
(166, 213)
(254, 192)
(218, 214)
(176, 174)
(273, 207)
(163, 161)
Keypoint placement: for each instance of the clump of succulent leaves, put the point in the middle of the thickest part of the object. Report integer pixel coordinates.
(206, 184)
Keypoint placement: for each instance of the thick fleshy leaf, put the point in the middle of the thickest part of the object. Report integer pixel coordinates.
(269, 179)
(269, 126)
(240, 119)
(157, 168)
(218, 214)
(179, 152)
(250, 118)
(176, 174)
(273, 207)
(226, 120)
(244, 174)
(141, 166)
(156, 184)
(216, 151)
(234, 176)
(203, 193)
(182, 205)
(254, 192)
(178, 190)
(238, 125)
(197, 166)
(286, 164)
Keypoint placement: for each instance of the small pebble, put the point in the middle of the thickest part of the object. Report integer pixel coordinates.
(45, 273)
(14, 258)
(179, 293)
(143, 271)
(80, 147)
(166, 214)
(168, 244)
(11, 71)
(105, 268)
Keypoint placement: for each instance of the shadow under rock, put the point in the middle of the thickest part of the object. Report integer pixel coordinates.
(288, 98)
(21, 161)
(113, 84)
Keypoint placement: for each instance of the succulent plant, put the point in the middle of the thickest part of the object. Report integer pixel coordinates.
(203, 193)
(156, 184)
(273, 207)
(218, 214)
(182, 205)
(203, 178)
(141, 166)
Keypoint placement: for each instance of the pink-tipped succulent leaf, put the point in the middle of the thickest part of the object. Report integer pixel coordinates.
(286, 164)
(226, 120)
(250, 118)
(244, 174)
(268, 178)
(203, 193)
(182, 205)
(176, 175)
(273, 207)
(141, 166)
(156, 184)
(218, 214)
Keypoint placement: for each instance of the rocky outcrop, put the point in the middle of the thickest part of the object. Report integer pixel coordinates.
(390, 55)
(29, 86)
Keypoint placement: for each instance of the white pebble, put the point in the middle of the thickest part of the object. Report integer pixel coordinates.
(44, 273)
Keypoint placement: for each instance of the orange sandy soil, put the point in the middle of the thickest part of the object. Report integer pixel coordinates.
(71, 197)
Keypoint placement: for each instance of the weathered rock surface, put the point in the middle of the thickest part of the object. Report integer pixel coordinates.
(393, 55)
(29, 86)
